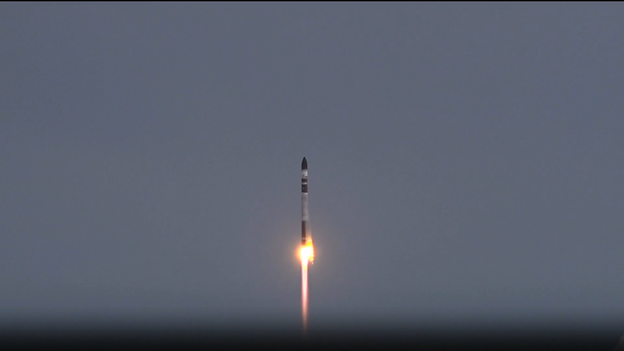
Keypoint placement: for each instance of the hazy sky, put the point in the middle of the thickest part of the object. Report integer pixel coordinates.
(465, 160)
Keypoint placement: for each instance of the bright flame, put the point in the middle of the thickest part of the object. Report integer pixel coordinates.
(306, 253)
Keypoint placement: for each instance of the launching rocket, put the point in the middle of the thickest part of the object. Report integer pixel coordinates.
(307, 249)
(306, 235)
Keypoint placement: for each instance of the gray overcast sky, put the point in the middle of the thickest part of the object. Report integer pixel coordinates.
(465, 160)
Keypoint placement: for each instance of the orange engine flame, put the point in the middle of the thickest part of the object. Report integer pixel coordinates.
(306, 253)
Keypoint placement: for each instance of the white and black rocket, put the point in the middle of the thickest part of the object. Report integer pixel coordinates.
(305, 217)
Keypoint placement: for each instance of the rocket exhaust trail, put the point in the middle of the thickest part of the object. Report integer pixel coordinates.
(304, 295)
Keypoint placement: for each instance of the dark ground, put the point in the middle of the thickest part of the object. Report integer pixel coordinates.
(210, 339)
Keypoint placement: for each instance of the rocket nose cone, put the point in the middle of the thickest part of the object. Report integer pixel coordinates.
(304, 164)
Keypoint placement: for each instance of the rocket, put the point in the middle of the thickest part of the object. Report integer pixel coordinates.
(306, 235)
